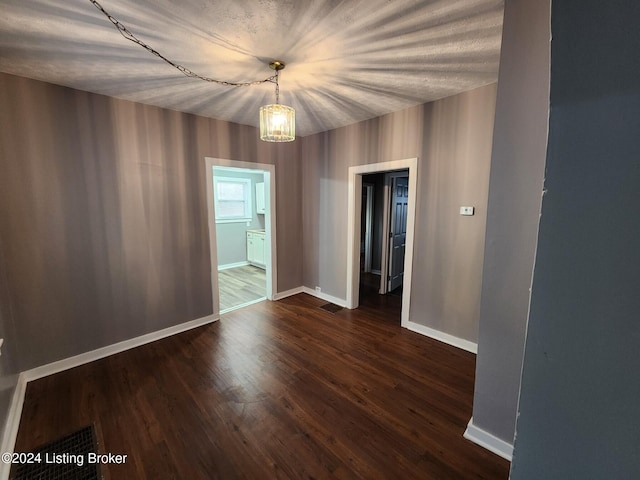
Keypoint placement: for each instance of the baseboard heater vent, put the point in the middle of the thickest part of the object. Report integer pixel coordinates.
(331, 308)
(63, 459)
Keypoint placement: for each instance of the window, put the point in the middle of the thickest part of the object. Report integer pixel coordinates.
(232, 197)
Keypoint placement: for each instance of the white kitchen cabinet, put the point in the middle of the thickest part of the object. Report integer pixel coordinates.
(256, 254)
(260, 200)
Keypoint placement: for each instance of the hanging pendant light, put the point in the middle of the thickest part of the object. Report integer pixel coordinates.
(277, 122)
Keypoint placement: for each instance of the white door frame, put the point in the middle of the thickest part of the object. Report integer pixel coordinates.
(270, 223)
(354, 206)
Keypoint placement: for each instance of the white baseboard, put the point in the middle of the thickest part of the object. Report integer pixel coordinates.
(17, 401)
(415, 327)
(99, 353)
(324, 296)
(13, 422)
(242, 305)
(488, 441)
(288, 293)
(442, 337)
(232, 265)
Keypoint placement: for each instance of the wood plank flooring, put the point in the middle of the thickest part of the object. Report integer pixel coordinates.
(280, 390)
(241, 285)
(370, 281)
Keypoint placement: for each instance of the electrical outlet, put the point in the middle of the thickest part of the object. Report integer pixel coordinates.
(318, 290)
(467, 211)
(1, 342)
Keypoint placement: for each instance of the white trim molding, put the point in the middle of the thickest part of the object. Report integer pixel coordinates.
(288, 293)
(326, 297)
(271, 266)
(17, 401)
(13, 422)
(242, 305)
(76, 361)
(443, 337)
(232, 265)
(488, 441)
(354, 201)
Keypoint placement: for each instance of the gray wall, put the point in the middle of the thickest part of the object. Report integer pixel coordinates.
(515, 190)
(579, 415)
(231, 238)
(452, 140)
(104, 218)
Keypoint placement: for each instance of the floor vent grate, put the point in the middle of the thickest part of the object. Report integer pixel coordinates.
(63, 459)
(331, 307)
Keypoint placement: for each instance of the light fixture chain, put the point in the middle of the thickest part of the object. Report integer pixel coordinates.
(277, 87)
(124, 31)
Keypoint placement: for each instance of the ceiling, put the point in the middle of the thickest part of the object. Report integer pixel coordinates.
(347, 60)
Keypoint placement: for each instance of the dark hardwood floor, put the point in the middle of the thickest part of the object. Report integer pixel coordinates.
(275, 390)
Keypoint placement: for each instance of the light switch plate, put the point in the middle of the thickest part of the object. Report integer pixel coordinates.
(467, 211)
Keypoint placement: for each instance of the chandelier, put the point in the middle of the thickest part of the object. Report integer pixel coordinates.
(277, 122)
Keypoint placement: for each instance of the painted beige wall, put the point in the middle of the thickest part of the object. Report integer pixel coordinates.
(103, 224)
(452, 140)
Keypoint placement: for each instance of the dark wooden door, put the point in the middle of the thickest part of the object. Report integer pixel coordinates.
(398, 230)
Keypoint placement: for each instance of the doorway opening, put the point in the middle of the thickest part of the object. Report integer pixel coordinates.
(383, 224)
(371, 231)
(241, 210)
(380, 237)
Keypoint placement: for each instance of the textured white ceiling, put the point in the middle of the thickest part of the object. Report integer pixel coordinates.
(346, 60)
